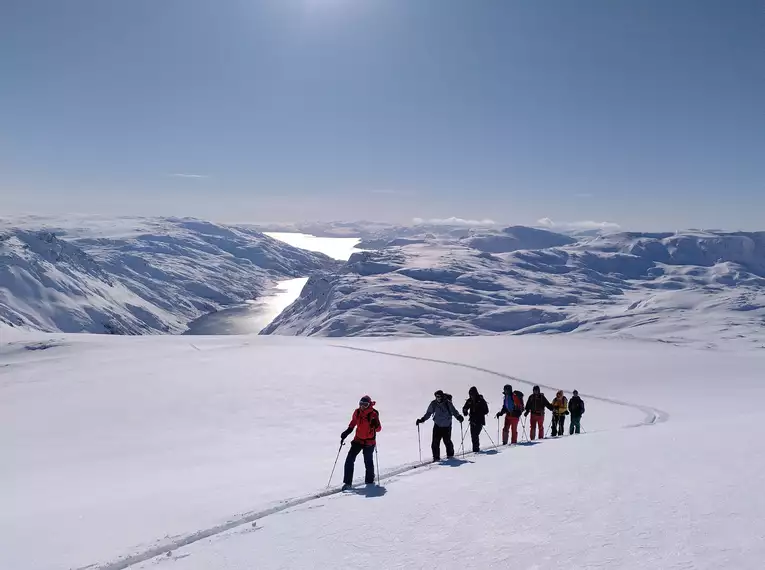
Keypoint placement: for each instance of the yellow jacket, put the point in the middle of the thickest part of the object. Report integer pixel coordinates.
(560, 405)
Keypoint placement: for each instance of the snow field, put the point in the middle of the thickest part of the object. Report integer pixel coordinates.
(115, 444)
(661, 497)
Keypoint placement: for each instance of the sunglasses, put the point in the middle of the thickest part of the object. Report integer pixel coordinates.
(363, 404)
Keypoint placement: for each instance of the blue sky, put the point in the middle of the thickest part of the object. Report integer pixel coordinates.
(649, 114)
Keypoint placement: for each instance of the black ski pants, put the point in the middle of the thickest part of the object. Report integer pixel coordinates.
(475, 432)
(575, 425)
(440, 433)
(558, 424)
(369, 462)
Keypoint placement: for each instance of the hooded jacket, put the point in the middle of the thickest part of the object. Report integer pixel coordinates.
(442, 412)
(477, 409)
(560, 405)
(367, 424)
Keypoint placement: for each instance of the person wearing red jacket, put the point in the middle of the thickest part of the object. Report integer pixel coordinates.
(366, 420)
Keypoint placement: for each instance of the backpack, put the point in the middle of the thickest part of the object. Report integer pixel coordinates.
(517, 403)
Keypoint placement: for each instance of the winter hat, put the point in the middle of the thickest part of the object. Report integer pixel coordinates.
(508, 389)
(365, 400)
(576, 392)
(473, 391)
(438, 393)
(560, 393)
(535, 389)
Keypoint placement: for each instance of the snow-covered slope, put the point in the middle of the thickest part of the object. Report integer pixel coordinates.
(692, 286)
(134, 276)
(120, 447)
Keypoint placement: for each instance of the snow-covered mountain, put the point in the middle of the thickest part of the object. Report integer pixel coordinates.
(677, 287)
(135, 275)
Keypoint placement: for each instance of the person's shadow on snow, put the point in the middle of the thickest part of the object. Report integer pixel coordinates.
(454, 462)
(527, 443)
(371, 491)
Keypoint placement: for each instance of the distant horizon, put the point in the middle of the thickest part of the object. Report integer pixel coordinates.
(455, 222)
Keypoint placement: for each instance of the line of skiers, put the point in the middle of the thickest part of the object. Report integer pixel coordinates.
(366, 420)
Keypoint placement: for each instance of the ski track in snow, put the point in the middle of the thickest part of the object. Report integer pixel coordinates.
(653, 416)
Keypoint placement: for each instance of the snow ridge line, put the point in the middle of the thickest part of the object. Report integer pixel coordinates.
(653, 416)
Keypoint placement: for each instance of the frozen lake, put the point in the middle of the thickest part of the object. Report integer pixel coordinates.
(254, 316)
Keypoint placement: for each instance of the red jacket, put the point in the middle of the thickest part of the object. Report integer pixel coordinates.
(367, 424)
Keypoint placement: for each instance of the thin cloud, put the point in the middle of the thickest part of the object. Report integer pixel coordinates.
(452, 222)
(580, 225)
(187, 175)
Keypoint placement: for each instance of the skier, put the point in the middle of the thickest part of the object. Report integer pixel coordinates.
(560, 411)
(442, 411)
(535, 406)
(576, 407)
(512, 407)
(477, 408)
(366, 420)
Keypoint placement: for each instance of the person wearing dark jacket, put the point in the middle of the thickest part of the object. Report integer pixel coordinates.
(476, 408)
(366, 420)
(576, 409)
(512, 408)
(535, 406)
(442, 411)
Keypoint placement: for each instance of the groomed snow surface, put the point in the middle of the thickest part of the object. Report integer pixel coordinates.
(116, 447)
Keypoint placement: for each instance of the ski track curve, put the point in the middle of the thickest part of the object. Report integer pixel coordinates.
(652, 416)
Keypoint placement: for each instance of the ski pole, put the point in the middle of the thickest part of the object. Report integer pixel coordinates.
(342, 443)
(377, 460)
(462, 432)
(498, 430)
(419, 441)
(487, 435)
(523, 428)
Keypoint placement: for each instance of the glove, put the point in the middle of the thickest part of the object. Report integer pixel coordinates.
(498, 414)
(345, 434)
(526, 414)
(419, 421)
(460, 419)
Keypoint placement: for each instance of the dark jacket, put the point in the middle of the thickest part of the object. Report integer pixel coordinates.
(537, 403)
(476, 409)
(442, 413)
(513, 405)
(576, 406)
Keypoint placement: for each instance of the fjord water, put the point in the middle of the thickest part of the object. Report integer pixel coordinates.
(255, 315)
